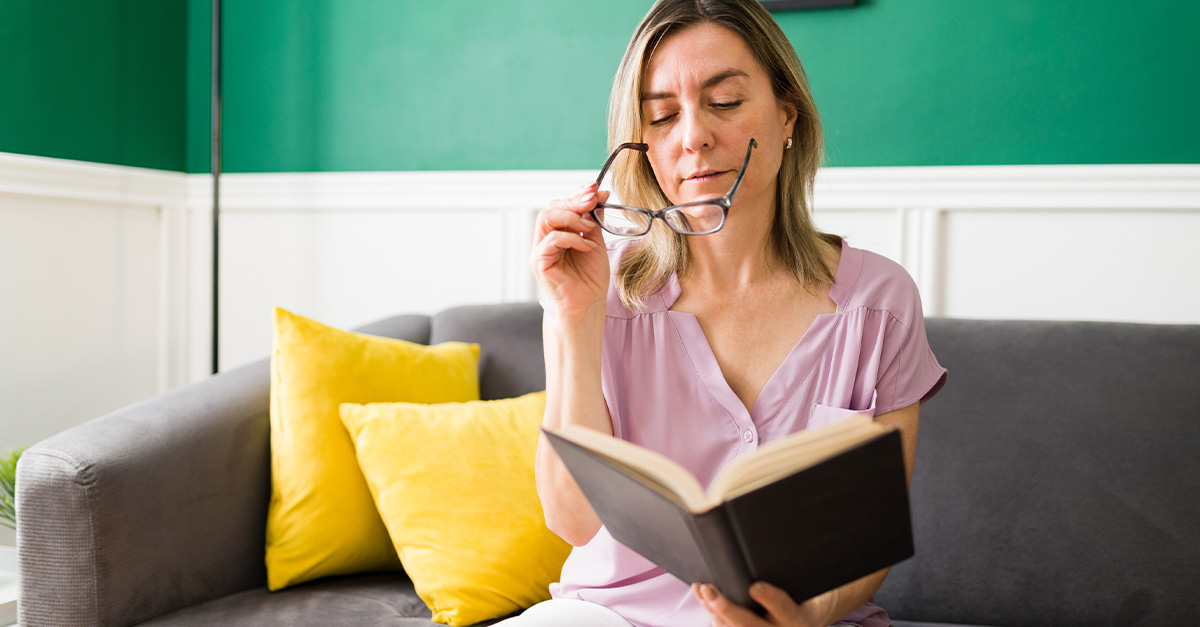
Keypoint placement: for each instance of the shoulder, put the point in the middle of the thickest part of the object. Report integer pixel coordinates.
(880, 284)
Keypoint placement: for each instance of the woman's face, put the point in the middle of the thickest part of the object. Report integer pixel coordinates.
(704, 97)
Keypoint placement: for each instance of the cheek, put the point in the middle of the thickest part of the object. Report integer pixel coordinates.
(773, 165)
(764, 174)
(662, 164)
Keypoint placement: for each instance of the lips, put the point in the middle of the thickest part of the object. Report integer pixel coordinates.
(705, 176)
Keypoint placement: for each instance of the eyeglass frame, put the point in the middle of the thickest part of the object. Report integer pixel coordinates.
(724, 202)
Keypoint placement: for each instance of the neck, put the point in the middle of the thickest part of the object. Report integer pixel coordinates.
(736, 257)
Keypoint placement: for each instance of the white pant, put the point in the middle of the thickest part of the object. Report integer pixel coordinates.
(560, 612)
(573, 612)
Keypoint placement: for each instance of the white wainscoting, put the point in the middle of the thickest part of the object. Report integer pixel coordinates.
(105, 271)
(92, 291)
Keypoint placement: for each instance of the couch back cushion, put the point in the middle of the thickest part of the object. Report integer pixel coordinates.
(1056, 478)
(510, 339)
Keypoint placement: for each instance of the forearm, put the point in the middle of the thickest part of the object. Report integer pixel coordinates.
(573, 397)
(573, 392)
(851, 596)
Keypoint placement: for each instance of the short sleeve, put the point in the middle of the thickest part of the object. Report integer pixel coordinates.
(547, 306)
(912, 374)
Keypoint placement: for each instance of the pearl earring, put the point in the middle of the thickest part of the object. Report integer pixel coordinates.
(789, 144)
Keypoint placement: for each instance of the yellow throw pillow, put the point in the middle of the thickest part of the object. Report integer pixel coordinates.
(321, 519)
(454, 483)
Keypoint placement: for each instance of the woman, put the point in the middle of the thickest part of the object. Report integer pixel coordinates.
(703, 346)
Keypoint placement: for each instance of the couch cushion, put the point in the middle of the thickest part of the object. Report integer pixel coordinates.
(377, 600)
(510, 338)
(321, 519)
(1055, 478)
(411, 327)
(454, 483)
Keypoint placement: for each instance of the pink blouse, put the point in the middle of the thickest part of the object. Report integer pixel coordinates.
(665, 391)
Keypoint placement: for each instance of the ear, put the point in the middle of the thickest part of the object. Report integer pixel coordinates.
(788, 115)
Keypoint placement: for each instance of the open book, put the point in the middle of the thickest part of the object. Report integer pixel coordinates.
(808, 512)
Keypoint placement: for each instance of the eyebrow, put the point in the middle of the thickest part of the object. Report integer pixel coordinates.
(712, 81)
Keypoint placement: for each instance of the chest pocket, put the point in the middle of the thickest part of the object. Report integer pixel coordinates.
(823, 415)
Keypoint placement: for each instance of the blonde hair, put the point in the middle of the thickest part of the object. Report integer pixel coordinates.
(793, 239)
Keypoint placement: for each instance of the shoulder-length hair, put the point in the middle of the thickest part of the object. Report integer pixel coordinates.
(794, 239)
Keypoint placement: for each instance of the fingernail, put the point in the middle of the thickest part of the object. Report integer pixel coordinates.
(758, 588)
(708, 591)
(586, 198)
(588, 223)
(591, 243)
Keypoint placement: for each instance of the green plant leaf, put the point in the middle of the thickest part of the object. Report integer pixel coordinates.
(8, 488)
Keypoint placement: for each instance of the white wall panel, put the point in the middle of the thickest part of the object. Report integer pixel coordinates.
(347, 268)
(1136, 266)
(79, 307)
(93, 306)
(105, 271)
(873, 229)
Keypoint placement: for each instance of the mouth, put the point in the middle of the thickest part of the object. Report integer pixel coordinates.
(706, 176)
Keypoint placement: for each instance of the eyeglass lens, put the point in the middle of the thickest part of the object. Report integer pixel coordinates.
(697, 219)
(689, 220)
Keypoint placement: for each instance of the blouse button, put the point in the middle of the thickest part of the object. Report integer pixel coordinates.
(748, 436)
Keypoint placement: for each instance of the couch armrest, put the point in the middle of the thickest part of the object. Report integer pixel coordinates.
(154, 507)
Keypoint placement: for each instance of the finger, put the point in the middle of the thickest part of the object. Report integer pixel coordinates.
(558, 241)
(586, 187)
(696, 592)
(579, 203)
(584, 200)
(728, 611)
(552, 247)
(561, 219)
(777, 602)
(713, 619)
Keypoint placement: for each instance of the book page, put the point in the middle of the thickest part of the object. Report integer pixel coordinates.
(789, 454)
(656, 470)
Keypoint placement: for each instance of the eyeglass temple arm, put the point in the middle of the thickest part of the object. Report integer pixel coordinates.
(738, 182)
(631, 145)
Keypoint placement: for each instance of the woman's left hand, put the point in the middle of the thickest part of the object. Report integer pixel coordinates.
(781, 609)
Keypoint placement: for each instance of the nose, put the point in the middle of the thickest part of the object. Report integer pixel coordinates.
(697, 135)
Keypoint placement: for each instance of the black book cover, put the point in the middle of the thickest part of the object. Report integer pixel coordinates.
(809, 532)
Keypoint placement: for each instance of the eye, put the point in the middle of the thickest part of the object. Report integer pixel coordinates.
(728, 104)
(664, 118)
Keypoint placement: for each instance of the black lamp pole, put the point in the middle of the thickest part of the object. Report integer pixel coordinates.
(215, 136)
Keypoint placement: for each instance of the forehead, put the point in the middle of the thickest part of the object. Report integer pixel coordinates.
(688, 57)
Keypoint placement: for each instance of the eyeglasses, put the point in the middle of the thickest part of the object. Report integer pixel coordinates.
(700, 217)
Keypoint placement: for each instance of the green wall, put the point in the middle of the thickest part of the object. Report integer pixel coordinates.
(416, 85)
(522, 84)
(329, 85)
(94, 80)
(983, 82)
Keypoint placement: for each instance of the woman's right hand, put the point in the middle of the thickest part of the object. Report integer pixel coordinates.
(569, 258)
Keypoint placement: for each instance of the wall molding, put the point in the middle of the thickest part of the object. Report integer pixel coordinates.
(46, 177)
(918, 199)
(1041, 187)
(102, 185)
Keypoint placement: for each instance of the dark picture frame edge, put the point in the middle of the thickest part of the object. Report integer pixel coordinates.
(788, 5)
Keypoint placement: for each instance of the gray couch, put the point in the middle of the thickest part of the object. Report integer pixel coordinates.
(1056, 484)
